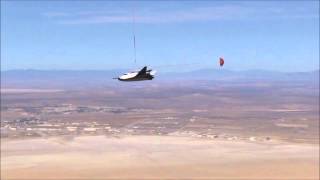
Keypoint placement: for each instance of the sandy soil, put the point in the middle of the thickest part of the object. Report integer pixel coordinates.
(156, 157)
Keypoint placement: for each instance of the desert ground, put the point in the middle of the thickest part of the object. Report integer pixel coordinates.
(162, 130)
(159, 157)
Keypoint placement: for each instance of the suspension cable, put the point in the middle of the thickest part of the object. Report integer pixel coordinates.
(134, 35)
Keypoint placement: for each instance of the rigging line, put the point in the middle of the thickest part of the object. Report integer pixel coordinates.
(174, 65)
(134, 35)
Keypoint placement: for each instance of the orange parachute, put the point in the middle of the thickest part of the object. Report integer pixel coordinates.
(221, 61)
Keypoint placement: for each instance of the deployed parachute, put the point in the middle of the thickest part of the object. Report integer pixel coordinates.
(221, 61)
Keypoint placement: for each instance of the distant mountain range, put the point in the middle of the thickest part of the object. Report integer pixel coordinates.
(85, 78)
(208, 74)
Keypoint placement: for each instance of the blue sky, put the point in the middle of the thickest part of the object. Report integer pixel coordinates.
(281, 36)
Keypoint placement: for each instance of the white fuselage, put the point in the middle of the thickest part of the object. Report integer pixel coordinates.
(128, 75)
(143, 74)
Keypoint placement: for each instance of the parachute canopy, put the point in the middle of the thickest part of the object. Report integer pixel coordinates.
(221, 61)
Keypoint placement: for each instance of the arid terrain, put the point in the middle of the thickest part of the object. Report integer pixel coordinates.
(160, 157)
(222, 129)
